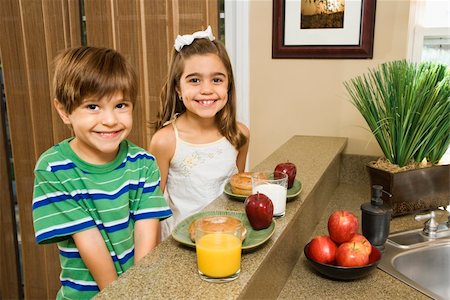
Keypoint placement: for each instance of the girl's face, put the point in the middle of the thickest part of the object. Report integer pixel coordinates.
(99, 126)
(204, 85)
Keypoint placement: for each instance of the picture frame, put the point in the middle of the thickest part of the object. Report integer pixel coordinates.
(351, 38)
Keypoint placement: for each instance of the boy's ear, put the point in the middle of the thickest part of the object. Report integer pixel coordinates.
(61, 111)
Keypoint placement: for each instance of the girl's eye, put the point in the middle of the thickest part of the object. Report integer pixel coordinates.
(194, 80)
(122, 105)
(217, 80)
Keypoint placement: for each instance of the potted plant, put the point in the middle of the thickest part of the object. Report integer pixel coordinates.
(407, 108)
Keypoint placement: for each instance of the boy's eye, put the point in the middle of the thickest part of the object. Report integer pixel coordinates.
(92, 106)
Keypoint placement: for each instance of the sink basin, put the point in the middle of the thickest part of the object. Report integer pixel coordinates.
(422, 263)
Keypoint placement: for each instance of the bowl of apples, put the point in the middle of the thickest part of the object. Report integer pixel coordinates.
(344, 254)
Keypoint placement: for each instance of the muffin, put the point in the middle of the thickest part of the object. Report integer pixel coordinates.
(217, 224)
(241, 183)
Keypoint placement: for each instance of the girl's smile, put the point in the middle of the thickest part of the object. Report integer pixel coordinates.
(206, 103)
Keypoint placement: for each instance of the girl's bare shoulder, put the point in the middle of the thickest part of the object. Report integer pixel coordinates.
(244, 129)
(164, 138)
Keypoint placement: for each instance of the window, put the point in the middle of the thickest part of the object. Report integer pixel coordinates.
(431, 31)
(431, 37)
(432, 44)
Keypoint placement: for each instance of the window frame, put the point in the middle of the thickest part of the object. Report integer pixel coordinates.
(420, 33)
(237, 43)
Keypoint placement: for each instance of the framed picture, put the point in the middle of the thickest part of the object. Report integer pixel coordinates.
(323, 28)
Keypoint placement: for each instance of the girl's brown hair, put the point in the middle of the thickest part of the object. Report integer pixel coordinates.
(171, 105)
(92, 72)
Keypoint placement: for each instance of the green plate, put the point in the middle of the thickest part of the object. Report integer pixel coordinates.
(293, 192)
(254, 237)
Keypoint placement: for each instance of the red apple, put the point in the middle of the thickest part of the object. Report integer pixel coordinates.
(362, 239)
(259, 210)
(322, 249)
(342, 226)
(352, 254)
(288, 168)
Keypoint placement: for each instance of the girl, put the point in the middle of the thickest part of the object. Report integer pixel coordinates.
(198, 143)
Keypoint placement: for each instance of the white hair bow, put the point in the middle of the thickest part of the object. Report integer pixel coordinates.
(187, 39)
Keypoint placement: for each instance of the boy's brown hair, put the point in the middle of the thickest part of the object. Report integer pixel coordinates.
(92, 72)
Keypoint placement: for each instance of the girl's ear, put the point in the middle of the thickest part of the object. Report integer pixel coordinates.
(61, 111)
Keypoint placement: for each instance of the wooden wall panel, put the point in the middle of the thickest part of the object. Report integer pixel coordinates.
(32, 33)
(192, 15)
(29, 114)
(62, 30)
(9, 44)
(37, 75)
(40, 138)
(9, 258)
(212, 16)
(18, 96)
(99, 24)
(158, 43)
(72, 11)
(196, 15)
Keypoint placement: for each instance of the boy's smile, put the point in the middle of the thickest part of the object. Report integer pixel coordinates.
(99, 126)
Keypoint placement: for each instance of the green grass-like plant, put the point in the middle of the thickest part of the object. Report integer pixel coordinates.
(407, 108)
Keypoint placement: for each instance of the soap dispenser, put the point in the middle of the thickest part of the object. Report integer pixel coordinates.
(376, 218)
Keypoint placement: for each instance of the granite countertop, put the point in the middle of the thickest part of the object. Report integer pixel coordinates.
(305, 282)
(170, 270)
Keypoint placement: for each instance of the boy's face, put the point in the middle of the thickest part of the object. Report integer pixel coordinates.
(99, 125)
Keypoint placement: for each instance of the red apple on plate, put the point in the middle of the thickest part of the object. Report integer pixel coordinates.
(352, 254)
(259, 210)
(322, 249)
(289, 169)
(364, 242)
(342, 226)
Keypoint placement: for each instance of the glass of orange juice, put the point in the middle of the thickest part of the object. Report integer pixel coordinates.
(218, 253)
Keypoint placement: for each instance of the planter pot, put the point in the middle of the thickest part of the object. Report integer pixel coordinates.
(414, 190)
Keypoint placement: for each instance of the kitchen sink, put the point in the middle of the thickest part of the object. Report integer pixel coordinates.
(419, 261)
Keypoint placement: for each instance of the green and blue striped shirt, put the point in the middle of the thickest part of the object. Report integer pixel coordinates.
(71, 195)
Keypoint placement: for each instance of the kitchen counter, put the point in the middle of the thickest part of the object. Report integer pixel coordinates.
(306, 283)
(170, 270)
(276, 268)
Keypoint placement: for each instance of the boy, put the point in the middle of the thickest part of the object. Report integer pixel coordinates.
(96, 194)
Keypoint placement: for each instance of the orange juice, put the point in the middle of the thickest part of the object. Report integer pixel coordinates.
(218, 254)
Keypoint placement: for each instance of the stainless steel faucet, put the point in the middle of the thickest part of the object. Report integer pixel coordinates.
(432, 229)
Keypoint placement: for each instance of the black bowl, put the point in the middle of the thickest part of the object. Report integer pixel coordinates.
(345, 273)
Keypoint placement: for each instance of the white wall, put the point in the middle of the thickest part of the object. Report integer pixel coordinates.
(306, 96)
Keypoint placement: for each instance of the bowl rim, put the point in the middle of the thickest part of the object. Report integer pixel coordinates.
(374, 259)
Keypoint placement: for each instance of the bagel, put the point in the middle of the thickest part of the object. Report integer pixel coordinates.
(217, 224)
(241, 183)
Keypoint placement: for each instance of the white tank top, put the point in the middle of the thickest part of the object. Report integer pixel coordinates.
(197, 176)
